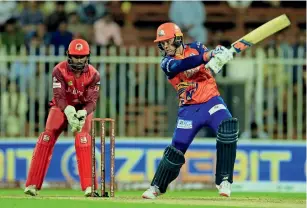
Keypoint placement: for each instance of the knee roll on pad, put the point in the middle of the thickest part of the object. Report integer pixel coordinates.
(41, 159)
(228, 131)
(173, 157)
(226, 147)
(169, 168)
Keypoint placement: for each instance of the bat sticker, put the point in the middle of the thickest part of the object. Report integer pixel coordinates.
(241, 45)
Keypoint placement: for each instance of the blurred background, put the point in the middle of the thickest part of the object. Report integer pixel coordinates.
(265, 87)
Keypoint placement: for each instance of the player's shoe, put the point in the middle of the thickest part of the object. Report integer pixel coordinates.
(224, 189)
(31, 190)
(151, 193)
(88, 192)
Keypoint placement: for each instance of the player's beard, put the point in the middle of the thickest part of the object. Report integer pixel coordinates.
(77, 66)
(171, 52)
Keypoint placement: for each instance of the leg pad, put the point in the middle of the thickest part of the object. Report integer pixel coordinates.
(41, 159)
(226, 148)
(84, 155)
(168, 169)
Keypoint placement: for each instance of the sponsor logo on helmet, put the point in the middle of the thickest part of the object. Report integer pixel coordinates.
(79, 46)
(161, 33)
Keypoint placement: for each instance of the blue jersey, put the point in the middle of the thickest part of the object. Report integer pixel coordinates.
(187, 73)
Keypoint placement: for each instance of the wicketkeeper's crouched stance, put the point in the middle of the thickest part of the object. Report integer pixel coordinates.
(75, 93)
(187, 67)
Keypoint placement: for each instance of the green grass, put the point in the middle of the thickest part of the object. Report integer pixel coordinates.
(74, 199)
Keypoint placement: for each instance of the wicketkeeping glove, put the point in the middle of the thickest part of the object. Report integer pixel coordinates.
(72, 119)
(81, 115)
(220, 57)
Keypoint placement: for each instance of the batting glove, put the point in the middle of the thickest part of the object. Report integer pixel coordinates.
(220, 56)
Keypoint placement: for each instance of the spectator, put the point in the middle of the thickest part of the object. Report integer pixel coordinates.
(31, 15)
(254, 133)
(59, 15)
(61, 37)
(13, 107)
(240, 4)
(78, 29)
(48, 7)
(90, 12)
(131, 36)
(12, 35)
(22, 72)
(107, 32)
(7, 10)
(39, 36)
(190, 17)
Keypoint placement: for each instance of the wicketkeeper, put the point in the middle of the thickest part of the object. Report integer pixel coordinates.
(75, 93)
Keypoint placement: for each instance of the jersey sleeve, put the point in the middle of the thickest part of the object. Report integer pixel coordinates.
(92, 94)
(200, 47)
(172, 67)
(59, 89)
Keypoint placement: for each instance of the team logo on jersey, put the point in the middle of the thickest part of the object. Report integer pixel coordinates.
(161, 33)
(79, 46)
(184, 124)
(185, 91)
(69, 83)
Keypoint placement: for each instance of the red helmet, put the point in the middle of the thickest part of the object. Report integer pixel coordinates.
(80, 49)
(167, 31)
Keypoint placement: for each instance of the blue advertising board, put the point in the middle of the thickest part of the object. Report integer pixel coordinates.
(136, 161)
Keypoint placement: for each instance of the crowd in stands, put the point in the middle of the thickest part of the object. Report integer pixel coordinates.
(57, 23)
(106, 23)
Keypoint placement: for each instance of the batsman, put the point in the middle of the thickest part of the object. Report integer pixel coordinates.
(75, 86)
(189, 68)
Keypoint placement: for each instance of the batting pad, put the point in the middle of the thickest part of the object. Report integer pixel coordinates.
(226, 148)
(168, 169)
(83, 154)
(40, 160)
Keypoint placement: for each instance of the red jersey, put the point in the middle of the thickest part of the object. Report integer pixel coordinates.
(81, 92)
(195, 85)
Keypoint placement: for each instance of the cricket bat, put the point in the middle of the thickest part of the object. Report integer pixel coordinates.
(260, 33)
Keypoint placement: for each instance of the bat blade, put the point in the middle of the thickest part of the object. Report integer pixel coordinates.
(260, 33)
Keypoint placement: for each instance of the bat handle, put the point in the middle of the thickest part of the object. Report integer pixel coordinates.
(232, 49)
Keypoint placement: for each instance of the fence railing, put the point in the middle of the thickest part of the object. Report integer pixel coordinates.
(135, 91)
(276, 90)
